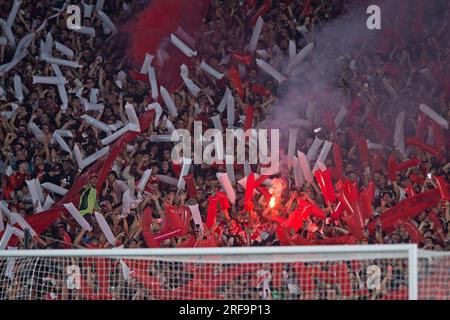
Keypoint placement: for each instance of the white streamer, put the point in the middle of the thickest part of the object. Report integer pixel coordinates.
(197, 218)
(223, 103)
(323, 154)
(9, 231)
(256, 35)
(96, 123)
(185, 36)
(86, 30)
(93, 106)
(147, 63)
(168, 180)
(49, 80)
(314, 149)
(300, 56)
(6, 29)
(193, 88)
(292, 50)
(153, 82)
(107, 23)
(161, 138)
(263, 65)
(105, 228)
(399, 133)
(434, 116)
(116, 135)
(230, 111)
(158, 110)
(340, 116)
(293, 133)
(132, 118)
(216, 121)
(48, 203)
(18, 90)
(184, 171)
(226, 184)
(36, 131)
(2, 225)
(62, 62)
(169, 102)
(62, 143)
(13, 12)
(23, 224)
(144, 180)
(182, 46)
(298, 173)
(64, 50)
(55, 188)
(83, 163)
(77, 216)
(207, 68)
(306, 169)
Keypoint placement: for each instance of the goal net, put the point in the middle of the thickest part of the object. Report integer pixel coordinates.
(267, 273)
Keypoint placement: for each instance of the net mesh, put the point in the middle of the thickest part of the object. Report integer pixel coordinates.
(283, 277)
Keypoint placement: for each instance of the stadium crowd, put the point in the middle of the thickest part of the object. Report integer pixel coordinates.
(378, 83)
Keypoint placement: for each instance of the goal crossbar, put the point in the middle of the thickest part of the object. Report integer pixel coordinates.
(249, 254)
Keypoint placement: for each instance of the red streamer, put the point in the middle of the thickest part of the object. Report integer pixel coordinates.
(249, 117)
(366, 198)
(412, 230)
(250, 187)
(324, 180)
(149, 237)
(223, 201)
(376, 163)
(443, 188)
(338, 211)
(411, 141)
(262, 91)
(242, 59)
(407, 164)
(329, 121)
(392, 168)
(363, 150)
(173, 225)
(337, 158)
(422, 122)
(212, 211)
(354, 108)
(439, 137)
(410, 191)
(382, 133)
(235, 79)
(264, 192)
(261, 12)
(190, 185)
(296, 218)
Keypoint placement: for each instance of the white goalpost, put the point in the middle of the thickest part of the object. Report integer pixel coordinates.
(351, 272)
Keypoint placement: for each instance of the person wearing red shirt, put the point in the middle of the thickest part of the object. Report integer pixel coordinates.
(18, 178)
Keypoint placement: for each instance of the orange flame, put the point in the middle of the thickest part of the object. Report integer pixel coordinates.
(272, 202)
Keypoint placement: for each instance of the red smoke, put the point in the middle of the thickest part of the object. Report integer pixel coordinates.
(155, 24)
